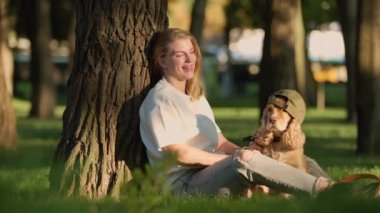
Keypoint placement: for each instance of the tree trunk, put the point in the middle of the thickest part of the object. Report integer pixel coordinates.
(63, 29)
(43, 86)
(101, 141)
(6, 60)
(225, 70)
(71, 42)
(8, 135)
(311, 86)
(300, 53)
(349, 21)
(197, 19)
(368, 79)
(283, 61)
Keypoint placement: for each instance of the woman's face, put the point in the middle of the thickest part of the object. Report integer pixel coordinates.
(179, 62)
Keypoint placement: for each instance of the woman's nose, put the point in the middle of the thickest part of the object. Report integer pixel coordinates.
(190, 57)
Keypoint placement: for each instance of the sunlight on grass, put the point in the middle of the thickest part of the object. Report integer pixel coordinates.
(22, 107)
(236, 113)
(330, 140)
(26, 183)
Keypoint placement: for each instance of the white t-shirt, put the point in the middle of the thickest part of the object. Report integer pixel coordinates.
(168, 116)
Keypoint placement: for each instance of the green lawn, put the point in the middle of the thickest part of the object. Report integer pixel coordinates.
(24, 173)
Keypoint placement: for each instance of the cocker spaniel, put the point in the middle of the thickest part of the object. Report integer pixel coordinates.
(280, 134)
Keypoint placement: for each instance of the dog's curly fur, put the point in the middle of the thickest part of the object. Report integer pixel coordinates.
(282, 139)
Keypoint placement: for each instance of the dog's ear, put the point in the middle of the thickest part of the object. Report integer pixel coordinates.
(265, 118)
(293, 137)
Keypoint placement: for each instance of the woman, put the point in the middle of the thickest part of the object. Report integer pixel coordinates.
(177, 120)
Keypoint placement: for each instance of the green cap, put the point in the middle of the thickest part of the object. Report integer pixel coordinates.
(294, 103)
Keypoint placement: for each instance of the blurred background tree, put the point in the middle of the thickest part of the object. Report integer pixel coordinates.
(197, 19)
(283, 61)
(368, 78)
(8, 134)
(38, 29)
(63, 30)
(349, 17)
(6, 60)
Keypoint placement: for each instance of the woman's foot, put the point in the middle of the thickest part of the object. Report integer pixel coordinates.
(350, 186)
(323, 184)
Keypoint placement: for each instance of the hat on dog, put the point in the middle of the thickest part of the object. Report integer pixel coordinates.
(290, 101)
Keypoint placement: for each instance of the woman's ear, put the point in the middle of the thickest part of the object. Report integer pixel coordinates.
(161, 62)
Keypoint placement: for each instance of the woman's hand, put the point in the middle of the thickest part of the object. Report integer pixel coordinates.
(254, 146)
(188, 155)
(226, 146)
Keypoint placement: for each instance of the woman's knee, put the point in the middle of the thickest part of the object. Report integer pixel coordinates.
(245, 154)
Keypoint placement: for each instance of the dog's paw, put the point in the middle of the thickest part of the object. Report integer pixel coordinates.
(264, 139)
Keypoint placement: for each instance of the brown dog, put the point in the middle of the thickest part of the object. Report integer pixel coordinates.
(280, 134)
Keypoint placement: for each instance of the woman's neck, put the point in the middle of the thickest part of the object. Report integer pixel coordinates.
(179, 85)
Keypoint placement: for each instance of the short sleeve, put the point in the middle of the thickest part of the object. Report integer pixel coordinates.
(207, 110)
(165, 125)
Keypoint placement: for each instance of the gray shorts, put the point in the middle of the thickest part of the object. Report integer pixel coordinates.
(232, 177)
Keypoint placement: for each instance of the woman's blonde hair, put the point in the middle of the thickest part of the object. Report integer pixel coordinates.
(194, 86)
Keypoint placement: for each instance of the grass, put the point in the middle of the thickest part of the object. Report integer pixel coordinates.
(24, 172)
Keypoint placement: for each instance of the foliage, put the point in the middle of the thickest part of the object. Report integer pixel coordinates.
(246, 13)
(24, 172)
(318, 12)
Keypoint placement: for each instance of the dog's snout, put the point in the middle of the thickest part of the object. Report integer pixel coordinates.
(272, 120)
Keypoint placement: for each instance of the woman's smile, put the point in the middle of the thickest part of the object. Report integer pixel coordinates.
(188, 68)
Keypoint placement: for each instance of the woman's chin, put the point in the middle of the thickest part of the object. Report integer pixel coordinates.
(189, 76)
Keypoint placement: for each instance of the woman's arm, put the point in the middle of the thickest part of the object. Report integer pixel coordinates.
(188, 155)
(225, 145)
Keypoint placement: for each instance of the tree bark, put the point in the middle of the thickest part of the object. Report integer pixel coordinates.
(100, 141)
(8, 134)
(283, 61)
(368, 79)
(43, 86)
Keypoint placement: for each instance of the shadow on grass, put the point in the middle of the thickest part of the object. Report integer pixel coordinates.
(234, 102)
(338, 152)
(34, 129)
(242, 126)
(37, 140)
(324, 120)
(31, 157)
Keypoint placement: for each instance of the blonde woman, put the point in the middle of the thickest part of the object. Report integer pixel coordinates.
(177, 120)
